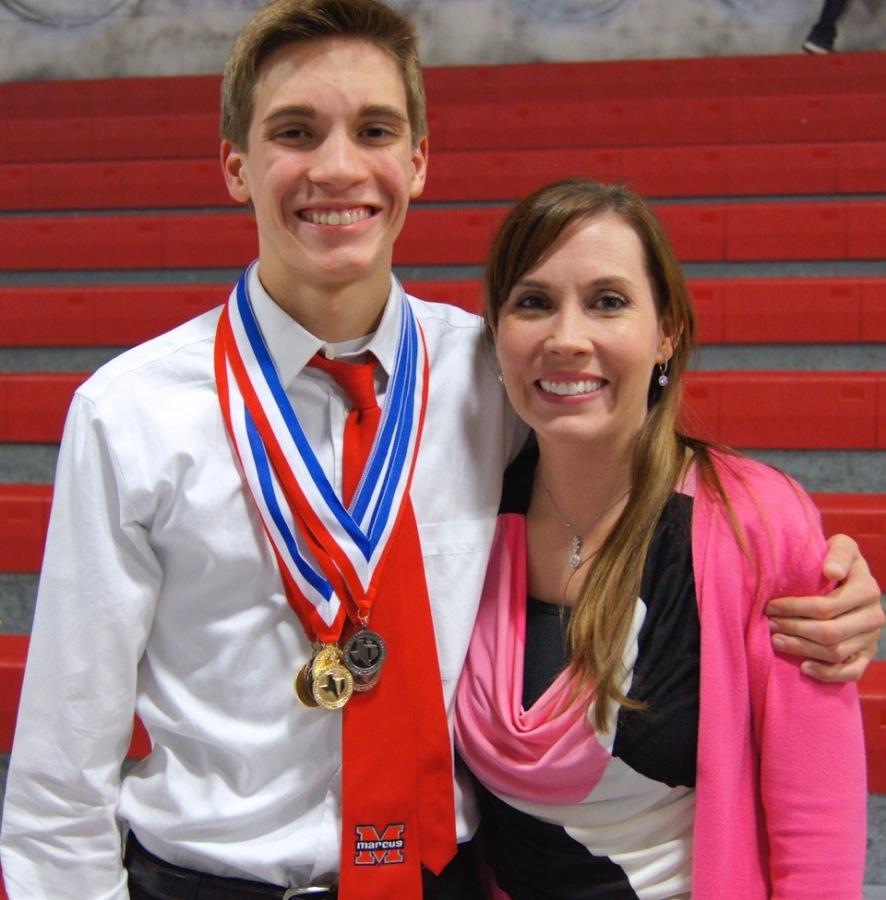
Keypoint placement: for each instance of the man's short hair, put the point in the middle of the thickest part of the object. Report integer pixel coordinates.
(283, 22)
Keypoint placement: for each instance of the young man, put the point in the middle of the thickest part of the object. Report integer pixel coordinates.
(218, 533)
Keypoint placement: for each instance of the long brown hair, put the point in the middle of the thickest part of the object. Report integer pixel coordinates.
(602, 616)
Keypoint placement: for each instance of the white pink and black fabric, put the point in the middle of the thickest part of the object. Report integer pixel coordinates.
(770, 801)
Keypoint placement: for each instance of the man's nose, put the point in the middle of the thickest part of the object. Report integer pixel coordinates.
(338, 161)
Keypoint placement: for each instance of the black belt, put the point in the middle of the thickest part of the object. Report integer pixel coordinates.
(154, 876)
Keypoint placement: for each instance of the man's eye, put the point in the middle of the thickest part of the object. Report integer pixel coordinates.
(376, 132)
(292, 133)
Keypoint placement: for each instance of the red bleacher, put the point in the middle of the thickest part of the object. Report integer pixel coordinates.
(694, 77)
(518, 124)
(873, 711)
(699, 77)
(24, 515)
(461, 175)
(700, 232)
(746, 409)
(14, 649)
(731, 311)
(807, 133)
(569, 105)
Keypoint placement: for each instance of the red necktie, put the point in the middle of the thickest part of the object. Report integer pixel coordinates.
(398, 809)
(357, 381)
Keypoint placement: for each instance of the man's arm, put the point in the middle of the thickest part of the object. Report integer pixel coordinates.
(97, 593)
(837, 633)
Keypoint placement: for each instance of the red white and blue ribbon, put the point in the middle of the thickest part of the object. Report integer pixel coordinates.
(330, 556)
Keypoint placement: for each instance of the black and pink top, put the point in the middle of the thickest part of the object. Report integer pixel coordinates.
(741, 779)
(554, 825)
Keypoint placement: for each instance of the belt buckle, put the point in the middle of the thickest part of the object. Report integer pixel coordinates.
(314, 890)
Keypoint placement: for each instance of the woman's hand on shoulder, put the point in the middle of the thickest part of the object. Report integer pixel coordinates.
(837, 633)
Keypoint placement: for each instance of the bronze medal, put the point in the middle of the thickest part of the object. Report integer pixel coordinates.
(365, 682)
(303, 688)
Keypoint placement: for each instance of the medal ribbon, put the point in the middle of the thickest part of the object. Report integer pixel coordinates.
(334, 557)
(413, 801)
(330, 555)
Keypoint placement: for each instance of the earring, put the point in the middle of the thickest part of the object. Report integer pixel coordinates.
(501, 378)
(663, 374)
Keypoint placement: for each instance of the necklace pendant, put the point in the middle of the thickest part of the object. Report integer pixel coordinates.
(575, 558)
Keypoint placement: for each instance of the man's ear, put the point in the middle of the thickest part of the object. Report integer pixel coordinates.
(420, 162)
(233, 166)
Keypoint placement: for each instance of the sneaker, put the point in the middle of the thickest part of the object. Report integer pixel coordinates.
(814, 44)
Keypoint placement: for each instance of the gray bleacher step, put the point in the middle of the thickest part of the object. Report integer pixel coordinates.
(713, 357)
(792, 357)
(28, 463)
(18, 593)
(836, 471)
(875, 870)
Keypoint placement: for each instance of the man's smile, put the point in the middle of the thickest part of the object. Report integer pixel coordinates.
(341, 216)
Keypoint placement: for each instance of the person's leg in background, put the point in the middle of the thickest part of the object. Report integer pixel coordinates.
(824, 32)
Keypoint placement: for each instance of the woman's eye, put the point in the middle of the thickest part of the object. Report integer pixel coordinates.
(611, 302)
(531, 301)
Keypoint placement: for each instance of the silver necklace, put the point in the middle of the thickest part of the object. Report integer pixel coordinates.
(575, 559)
(575, 556)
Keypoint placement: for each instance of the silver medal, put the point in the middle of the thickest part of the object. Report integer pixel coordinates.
(364, 652)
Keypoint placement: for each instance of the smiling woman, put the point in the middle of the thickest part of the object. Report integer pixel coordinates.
(621, 692)
(578, 335)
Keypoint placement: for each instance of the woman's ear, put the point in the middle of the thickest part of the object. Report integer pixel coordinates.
(668, 338)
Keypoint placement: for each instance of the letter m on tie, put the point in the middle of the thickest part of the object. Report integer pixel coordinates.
(385, 848)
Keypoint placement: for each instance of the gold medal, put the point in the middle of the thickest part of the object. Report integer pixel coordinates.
(330, 681)
(324, 655)
(332, 686)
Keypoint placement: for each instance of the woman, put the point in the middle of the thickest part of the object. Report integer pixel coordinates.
(633, 733)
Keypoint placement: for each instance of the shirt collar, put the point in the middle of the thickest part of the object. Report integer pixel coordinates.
(291, 346)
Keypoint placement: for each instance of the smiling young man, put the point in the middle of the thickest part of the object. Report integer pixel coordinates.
(274, 572)
(210, 535)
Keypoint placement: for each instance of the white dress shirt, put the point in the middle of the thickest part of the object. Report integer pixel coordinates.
(160, 594)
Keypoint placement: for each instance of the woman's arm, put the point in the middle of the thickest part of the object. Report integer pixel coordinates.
(809, 735)
(780, 753)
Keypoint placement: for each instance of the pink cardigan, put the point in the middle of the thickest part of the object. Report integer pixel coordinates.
(768, 735)
(780, 788)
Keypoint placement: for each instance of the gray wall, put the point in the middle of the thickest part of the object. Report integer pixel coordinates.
(174, 37)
